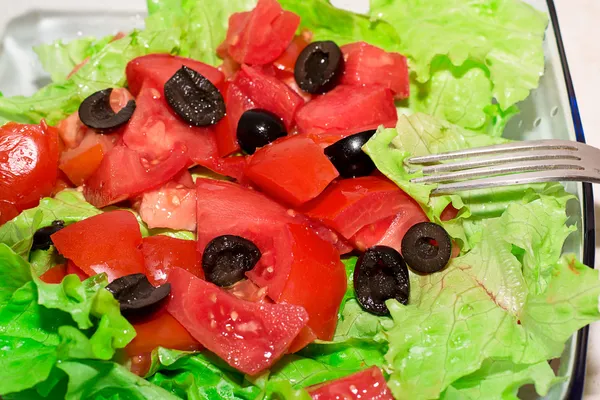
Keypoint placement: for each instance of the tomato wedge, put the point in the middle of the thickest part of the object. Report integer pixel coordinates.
(106, 242)
(74, 269)
(287, 61)
(154, 130)
(159, 68)
(171, 206)
(262, 35)
(293, 170)
(248, 336)
(366, 64)
(349, 107)
(81, 162)
(160, 329)
(123, 174)
(269, 93)
(226, 129)
(163, 253)
(369, 384)
(389, 231)
(54, 274)
(350, 204)
(28, 166)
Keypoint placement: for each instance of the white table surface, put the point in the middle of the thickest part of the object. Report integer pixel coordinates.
(580, 26)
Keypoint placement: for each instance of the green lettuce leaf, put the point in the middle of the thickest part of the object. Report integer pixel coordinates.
(60, 58)
(480, 307)
(69, 206)
(501, 380)
(502, 37)
(42, 260)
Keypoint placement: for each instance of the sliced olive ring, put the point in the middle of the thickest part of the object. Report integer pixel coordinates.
(426, 247)
(257, 128)
(194, 98)
(380, 275)
(347, 155)
(41, 237)
(227, 258)
(319, 67)
(136, 295)
(95, 112)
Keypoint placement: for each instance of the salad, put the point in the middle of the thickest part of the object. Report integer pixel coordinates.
(218, 207)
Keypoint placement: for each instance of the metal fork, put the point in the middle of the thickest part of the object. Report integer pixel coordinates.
(508, 164)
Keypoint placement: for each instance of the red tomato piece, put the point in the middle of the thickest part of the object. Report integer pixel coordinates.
(269, 93)
(350, 204)
(262, 35)
(159, 68)
(304, 338)
(226, 130)
(248, 336)
(249, 291)
(389, 231)
(160, 329)
(154, 131)
(171, 206)
(28, 166)
(163, 253)
(106, 242)
(287, 61)
(369, 65)
(237, 22)
(449, 213)
(293, 170)
(232, 166)
(74, 269)
(82, 161)
(123, 174)
(368, 384)
(54, 274)
(313, 261)
(349, 107)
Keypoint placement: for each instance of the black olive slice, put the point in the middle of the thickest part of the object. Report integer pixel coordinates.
(258, 128)
(137, 296)
(426, 247)
(347, 155)
(95, 112)
(227, 258)
(319, 67)
(41, 237)
(380, 274)
(194, 98)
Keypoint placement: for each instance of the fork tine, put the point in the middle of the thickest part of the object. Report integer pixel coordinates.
(518, 179)
(508, 168)
(532, 145)
(501, 159)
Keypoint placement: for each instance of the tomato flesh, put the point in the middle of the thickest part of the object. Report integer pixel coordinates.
(269, 93)
(160, 329)
(28, 166)
(293, 170)
(287, 61)
(248, 336)
(163, 253)
(171, 206)
(368, 384)
(74, 269)
(369, 65)
(81, 162)
(350, 204)
(349, 107)
(226, 129)
(154, 130)
(106, 242)
(262, 35)
(55, 274)
(159, 68)
(123, 174)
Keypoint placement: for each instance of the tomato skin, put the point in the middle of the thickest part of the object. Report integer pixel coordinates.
(287, 60)
(304, 338)
(313, 261)
(350, 204)
(269, 93)
(154, 130)
(248, 336)
(160, 329)
(293, 170)
(368, 384)
(349, 107)
(54, 274)
(81, 162)
(262, 35)
(74, 269)
(163, 253)
(369, 65)
(122, 175)
(28, 166)
(159, 68)
(226, 130)
(106, 242)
